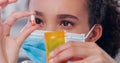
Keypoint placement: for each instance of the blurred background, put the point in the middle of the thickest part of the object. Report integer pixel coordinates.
(22, 5)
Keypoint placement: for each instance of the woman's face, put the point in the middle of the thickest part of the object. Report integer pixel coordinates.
(69, 15)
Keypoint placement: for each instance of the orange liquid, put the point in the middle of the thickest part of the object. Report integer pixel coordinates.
(33, 23)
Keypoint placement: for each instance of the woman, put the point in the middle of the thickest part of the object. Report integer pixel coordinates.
(76, 16)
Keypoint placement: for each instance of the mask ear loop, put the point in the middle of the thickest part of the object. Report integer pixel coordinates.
(90, 32)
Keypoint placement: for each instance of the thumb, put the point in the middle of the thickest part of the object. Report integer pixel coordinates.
(25, 33)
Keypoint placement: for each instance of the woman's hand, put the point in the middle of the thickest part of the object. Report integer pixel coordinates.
(9, 47)
(75, 52)
(3, 3)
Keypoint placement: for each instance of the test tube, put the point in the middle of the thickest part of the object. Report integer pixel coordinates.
(32, 20)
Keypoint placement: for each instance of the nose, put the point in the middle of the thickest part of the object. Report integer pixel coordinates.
(50, 27)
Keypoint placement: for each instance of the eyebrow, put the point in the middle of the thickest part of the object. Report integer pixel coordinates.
(64, 16)
(60, 16)
(38, 13)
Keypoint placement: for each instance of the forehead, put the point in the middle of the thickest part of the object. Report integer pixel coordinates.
(58, 5)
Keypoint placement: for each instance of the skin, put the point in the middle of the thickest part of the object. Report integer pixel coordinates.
(52, 19)
(3, 3)
(9, 47)
(49, 13)
(54, 13)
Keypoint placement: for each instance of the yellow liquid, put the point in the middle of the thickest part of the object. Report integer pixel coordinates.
(54, 40)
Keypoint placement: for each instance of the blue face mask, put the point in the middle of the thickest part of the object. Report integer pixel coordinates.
(34, 45)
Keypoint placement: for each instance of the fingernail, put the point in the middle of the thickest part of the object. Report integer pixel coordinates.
(52, 54)
(51, 61)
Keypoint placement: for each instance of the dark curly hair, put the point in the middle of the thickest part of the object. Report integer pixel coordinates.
(104, 12)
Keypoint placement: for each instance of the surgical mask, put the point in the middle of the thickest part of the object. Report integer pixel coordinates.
(34, 45)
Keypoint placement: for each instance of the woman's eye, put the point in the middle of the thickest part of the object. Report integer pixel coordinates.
(67, 23)
(38, 21)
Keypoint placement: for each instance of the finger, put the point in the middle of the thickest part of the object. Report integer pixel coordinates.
(1, 31)
(12, 1)
(25, 33)
(3, 3)
(91, 59)
(74, 53)
(0, 21)
(72, 44)
(26, 26)
(13, 18)
(86, 60)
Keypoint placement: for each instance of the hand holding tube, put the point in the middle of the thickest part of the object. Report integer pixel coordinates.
(9, 47)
